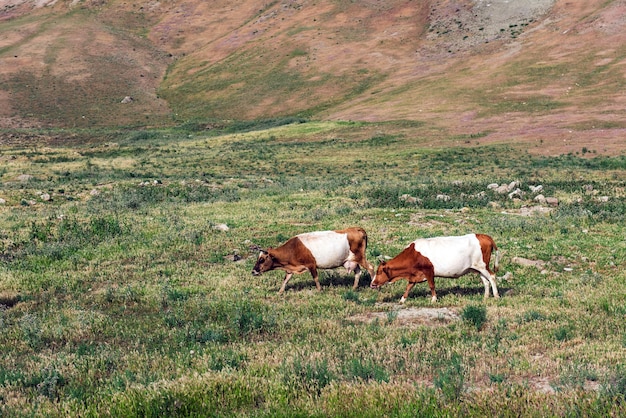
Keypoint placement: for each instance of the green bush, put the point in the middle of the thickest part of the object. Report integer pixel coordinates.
(475, 315)
(365, 369)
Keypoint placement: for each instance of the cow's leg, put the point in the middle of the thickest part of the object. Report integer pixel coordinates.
(494, 286)
(431, 284)
(369, 267)
(486, 284)
(313, 271)
(489, 279)
(357, 276)
(406, 292)
(287, 278)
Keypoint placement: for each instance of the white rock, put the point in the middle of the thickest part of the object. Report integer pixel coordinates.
(552, 201)
(502, 189)
(221, 227)
(516, 193)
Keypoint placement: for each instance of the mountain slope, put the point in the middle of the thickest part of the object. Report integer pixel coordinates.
(545, 68)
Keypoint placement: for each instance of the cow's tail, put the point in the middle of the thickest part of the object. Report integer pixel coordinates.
(488, 246)
(496, 260)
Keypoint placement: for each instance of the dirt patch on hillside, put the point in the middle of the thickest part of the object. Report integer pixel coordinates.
(407, 316)
(465, 24)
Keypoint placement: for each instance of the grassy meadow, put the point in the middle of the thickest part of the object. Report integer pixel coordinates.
(122, 294)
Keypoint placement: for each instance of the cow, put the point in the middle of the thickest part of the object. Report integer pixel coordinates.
(450, 257)
(317, 250)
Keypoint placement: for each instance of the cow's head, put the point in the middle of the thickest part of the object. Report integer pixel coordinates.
(264, 263)
(381, 277)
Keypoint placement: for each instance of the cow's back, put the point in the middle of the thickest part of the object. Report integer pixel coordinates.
(450, 256)
(329, 248)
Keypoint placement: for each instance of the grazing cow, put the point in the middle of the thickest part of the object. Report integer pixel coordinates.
(317, 250)
(449, 257)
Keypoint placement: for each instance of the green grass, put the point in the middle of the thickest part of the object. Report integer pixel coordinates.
(120, 297)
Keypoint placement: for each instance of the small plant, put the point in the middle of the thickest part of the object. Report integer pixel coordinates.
(563, 333)
(531, 316)
(496, 378)
(351, 296)
(31, 330)
(616, 383)
(50, 383)
(450, 380)
(361, 369)
(475, 315)
(310, 375)
(391, 316)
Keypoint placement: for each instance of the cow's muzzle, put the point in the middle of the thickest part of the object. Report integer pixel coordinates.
(256, 273)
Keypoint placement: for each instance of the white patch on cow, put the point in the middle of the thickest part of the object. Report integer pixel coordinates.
(452, 256)
(329, 248)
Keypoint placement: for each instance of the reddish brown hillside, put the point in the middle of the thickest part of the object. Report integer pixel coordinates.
(534, 70)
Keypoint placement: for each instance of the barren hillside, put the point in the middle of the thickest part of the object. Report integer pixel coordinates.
(533, 70)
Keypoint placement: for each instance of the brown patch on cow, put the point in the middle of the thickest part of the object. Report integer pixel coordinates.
(487, 246)
(409, 316)
(357, 239)
(409, 264)
(293, 257)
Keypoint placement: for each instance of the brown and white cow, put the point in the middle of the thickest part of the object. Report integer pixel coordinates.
(450, 257)
(317, 250)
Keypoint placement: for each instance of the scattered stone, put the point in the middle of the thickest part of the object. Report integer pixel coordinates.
(552, 201)
(540, 199)
(603, 199)
(46, 197)
(2, 201)
(127, 100)
(513, 185)
(536, 189)
(507, 276)
(410, 199)
(528, 263)
(534, 210)
(234, 257)
(502, 189)
(443, 197)
(24, 177)
(94, 192)
(492, 186)
(221, 227)
(516, 193)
